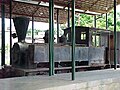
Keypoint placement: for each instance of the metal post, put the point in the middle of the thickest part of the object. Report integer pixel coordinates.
(51, 37)
(32, 29)
(95, 21)
(73, 39)
(95, 29)
(106, 21)
(3, 33)
(68, 14)
(57, 25)
(10, 32)
(109, 49)
(115, 36)
(108, 39)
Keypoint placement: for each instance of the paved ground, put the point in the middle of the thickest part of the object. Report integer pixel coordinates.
(63, 81)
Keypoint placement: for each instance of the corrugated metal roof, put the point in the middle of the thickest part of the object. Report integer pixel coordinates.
(99, 6)
(41, 13)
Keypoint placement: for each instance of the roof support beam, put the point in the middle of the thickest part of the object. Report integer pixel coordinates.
(36, 8)
(68, 14)
(51, 37)
(106, 21)
(95, 25)
(73, 40)
(3, 33)
(115, 37)
(57, 25)
(10, 11)
(32, 29)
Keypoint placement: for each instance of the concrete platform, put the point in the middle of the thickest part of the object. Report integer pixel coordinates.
(90, 80)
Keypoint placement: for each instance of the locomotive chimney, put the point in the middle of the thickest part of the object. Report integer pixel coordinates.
(21, 26)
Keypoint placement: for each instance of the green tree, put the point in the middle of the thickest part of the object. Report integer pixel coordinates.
(88, 21)
(84, 20)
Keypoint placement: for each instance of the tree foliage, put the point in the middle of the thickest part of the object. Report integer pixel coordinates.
(88, 21)
(84, 20)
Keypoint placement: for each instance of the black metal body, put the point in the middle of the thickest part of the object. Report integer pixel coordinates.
(21, 26)
(19, 51)
(28, 55)
(82, 35)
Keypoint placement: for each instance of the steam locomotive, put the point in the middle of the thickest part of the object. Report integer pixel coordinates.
(29, 55)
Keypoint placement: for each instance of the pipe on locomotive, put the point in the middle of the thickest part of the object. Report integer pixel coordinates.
(21, 26)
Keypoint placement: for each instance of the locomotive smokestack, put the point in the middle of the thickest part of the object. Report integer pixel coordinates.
(21, 26)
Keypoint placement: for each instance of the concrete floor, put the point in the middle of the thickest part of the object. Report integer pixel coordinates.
(63, 81)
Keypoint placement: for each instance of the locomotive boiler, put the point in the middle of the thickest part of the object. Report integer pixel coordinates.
(20, 49)
(28, 55)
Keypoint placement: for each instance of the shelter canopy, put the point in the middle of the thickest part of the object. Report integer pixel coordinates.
(99, 6)
(39, 12)
(39, 9)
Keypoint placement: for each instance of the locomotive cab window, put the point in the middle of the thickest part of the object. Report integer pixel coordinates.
(67, 36)
(96, 40)
(83, 35)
